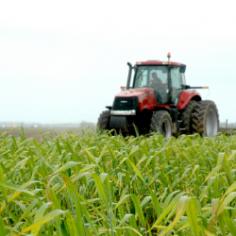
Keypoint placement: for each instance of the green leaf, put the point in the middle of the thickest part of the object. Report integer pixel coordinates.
(3, 231)
(36, 226)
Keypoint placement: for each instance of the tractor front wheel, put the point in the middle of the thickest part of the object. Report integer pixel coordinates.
(205, 118)
(161, 122)
(103, 120)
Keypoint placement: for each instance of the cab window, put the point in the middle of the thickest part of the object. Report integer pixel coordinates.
(177, 82)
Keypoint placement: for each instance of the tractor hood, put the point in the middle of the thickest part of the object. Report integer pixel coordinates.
(137, 92)
(146, 97)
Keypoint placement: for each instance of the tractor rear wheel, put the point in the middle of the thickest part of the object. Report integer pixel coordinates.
(161, 122)
(186, 118)
(205, 118)
(103, 120)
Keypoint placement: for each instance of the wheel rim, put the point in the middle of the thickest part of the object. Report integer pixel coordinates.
(211, 123)
(166, 129)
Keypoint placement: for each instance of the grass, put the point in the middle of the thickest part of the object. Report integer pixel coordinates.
(97, 184)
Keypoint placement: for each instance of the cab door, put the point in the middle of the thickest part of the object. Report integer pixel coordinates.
(177, 82)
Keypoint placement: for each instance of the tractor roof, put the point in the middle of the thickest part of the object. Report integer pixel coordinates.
(159, 63)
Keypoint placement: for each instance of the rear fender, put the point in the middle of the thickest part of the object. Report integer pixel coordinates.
(185, 97)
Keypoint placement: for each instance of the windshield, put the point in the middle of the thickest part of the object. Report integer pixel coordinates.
(146, 75)
(156, 77)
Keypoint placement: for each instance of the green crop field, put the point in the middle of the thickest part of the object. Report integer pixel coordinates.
(98, 184)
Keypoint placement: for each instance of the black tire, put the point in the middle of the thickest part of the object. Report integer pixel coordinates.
(205, 118)
(186, 117)
(161, 122)
(103, 120)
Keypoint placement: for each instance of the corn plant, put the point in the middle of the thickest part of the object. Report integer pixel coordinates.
(99, 184)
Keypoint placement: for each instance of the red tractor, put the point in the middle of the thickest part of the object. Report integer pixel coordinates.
(157, 99)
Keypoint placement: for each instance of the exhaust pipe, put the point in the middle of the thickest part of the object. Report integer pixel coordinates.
(129, 74)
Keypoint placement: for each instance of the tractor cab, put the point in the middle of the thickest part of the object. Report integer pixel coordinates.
(165, 78)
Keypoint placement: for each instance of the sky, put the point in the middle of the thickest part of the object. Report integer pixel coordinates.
(64, 61)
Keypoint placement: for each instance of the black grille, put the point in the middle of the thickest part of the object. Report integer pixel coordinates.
(125, 103)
